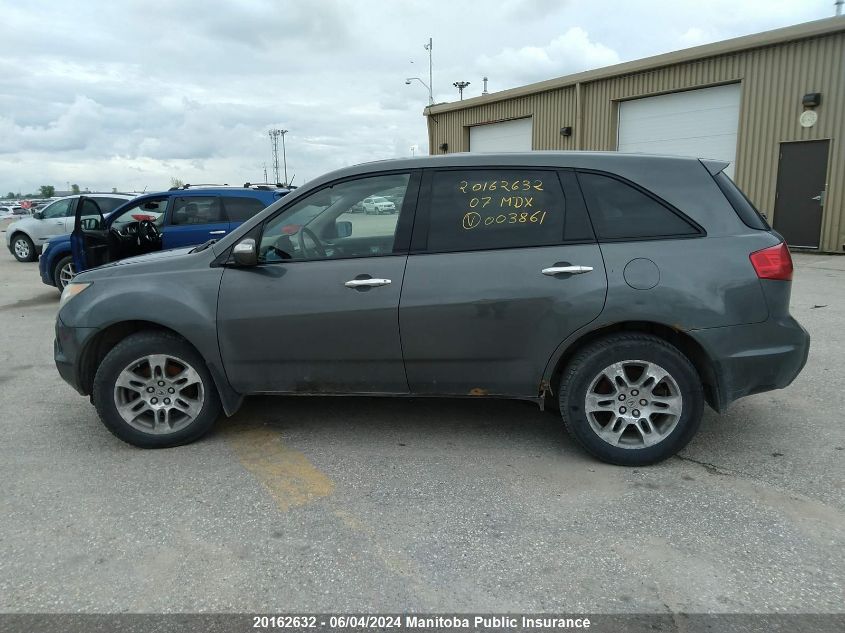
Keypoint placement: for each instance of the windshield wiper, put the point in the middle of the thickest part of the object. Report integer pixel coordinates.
(202, 246)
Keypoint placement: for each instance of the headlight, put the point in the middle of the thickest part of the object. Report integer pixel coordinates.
(70, 291)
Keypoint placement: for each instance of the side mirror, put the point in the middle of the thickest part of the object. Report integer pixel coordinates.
(245, 253)
(38, 215)
(344, 228)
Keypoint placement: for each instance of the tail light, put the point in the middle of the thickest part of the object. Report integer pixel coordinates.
(774, 262)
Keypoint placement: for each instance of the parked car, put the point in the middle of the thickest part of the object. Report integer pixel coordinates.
(170, 219)
(378, 205)
(628, 290)
(16, 212)
(25, 238)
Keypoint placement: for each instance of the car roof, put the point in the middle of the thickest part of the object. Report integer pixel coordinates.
(610, 161)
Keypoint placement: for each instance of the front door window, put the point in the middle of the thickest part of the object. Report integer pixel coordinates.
(324, 225)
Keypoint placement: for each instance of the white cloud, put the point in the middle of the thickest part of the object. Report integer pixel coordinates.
(128, 94)
(570, 52)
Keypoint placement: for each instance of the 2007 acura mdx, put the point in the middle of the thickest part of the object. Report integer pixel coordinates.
(629, 290)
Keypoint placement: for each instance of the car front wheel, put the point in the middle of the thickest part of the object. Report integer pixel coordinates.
(153, 390)
(63, 272)
(631, 399)
(23, 248)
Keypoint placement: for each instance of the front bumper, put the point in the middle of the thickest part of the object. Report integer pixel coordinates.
(749, 359)
(68, 349)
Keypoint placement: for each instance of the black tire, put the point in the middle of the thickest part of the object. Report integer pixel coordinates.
(27, 245)
(133, 348)
(591, 361)
(57, 269)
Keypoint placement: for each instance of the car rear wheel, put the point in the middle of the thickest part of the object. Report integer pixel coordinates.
(22, 248)
(63, 272)
(631, 399)
(153, 390)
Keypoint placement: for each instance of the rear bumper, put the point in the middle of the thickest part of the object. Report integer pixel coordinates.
(67, 352)
(749, 359)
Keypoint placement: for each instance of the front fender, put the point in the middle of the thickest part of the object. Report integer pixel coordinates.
(183, 300)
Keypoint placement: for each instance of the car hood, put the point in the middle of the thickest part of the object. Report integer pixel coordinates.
(149, 257)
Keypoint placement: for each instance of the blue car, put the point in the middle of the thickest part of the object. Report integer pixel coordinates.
(183, 216)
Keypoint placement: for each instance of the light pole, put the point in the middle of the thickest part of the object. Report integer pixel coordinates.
(429, 47)
(460, 85)
(284, 155)
(427, 86)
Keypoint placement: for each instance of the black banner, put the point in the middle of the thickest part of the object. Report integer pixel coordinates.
(463, 623)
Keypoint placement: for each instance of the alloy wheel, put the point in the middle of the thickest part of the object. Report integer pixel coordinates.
(22, 248)
(159, 394)
(66, 274)
(633, 404)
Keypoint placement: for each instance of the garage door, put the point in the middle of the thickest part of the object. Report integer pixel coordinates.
(507, 136)
(700, 123)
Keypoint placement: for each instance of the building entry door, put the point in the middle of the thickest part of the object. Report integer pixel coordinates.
(801, 190)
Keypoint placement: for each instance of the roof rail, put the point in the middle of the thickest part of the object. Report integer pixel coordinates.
(266, 185)
(203, 184)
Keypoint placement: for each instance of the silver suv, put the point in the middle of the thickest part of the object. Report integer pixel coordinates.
(25, 238)
(626, 291)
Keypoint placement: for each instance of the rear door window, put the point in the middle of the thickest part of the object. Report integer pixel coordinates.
(491, 209)
(192, 210)
(619, 211)
(241, 208)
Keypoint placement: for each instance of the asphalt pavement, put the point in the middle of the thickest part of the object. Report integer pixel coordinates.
(428, 505)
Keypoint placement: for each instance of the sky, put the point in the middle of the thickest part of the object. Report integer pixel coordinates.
(130, 94)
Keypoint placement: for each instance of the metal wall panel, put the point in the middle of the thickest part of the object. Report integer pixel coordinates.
(773, 79)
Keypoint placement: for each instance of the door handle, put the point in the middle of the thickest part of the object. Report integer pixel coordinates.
(217, 232)
(357, 283)
(571, 270)
(818, 197)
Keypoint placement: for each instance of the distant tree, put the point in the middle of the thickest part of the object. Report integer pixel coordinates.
(175, 182)
(12, 195)
(47, 191)
(74, 188)
(114, 189)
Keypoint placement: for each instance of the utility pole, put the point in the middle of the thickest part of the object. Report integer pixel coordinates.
(284, 156)
(460, 85)
(265, 171)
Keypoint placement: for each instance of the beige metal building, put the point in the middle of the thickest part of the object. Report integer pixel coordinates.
(772, 104)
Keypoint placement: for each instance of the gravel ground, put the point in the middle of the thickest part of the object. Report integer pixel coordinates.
(359, 504)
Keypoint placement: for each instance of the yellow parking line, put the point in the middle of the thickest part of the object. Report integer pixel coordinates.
(289, 477)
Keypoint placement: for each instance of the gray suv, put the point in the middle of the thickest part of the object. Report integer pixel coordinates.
(626, 291)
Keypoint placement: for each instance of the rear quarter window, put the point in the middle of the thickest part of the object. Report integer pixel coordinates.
(242, 208)
(490, 209)
(746, 211)
(620, 211)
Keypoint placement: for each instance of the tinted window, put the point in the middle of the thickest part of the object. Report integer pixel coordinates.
(620, 211)
(107, 205)
(189, 210)
(239, 209)
(329, 225)
(488, 209)
(59, 209)
(741, 204)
